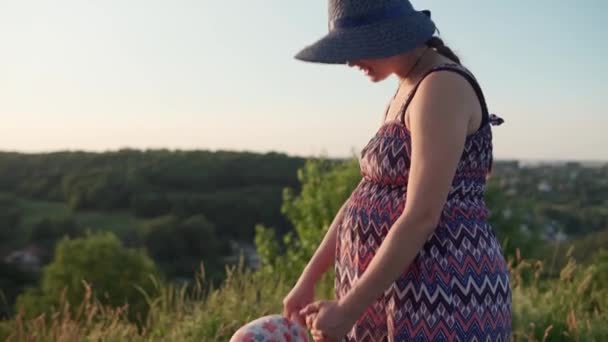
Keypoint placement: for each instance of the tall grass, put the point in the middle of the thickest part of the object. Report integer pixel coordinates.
(571, 308)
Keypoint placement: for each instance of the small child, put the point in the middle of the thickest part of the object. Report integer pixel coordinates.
(272, 328)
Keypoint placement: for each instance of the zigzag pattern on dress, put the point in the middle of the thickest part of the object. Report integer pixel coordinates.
(457, 288)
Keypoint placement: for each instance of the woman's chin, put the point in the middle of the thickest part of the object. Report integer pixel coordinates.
(374, 78)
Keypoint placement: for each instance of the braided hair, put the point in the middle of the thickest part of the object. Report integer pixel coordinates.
(437, 44)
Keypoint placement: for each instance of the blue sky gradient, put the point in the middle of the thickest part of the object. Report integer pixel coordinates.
(103, 75)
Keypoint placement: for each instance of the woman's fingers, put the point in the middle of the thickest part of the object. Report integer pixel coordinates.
(318, 336)
(289, 309)
(297, 318)
(310, 308)
(310, 319)
(292, 312)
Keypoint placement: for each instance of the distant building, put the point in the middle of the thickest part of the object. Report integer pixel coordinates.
(560, 236)
(552, 232)
(28, 259)
(573, 164)
(249, 252)
(544, 186)
(507, 164)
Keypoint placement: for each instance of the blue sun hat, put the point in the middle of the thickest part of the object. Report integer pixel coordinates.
(361, 29)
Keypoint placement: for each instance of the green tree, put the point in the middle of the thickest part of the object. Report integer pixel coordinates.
(179, 246)
(326, 185)
(96, 189)
(510, 220)
(150, 204)
(99, 259)
(10, 218)
(47, 231)
(12, 280)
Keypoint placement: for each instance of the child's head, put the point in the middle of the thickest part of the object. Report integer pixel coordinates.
(272, 328)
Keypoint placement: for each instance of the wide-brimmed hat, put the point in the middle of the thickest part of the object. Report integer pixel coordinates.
(361, 29)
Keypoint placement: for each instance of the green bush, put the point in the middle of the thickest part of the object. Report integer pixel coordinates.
(600, 276)
(180, 245)
(99, 263)
(326, 185)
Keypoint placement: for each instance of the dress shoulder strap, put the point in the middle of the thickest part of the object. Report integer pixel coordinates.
(461, 71)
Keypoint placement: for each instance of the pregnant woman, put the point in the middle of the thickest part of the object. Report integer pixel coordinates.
(414, 255)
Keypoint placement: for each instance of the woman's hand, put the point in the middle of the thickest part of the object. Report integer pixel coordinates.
(330, 321)
(300, 296)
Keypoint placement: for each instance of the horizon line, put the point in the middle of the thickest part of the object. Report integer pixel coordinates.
(292, 155)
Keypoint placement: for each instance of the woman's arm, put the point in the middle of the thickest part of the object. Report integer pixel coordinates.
(325, 253)
(439, 129)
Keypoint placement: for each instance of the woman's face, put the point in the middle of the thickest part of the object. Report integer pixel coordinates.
(376, 69)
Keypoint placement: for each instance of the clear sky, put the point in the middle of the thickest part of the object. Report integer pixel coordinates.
(199, 74)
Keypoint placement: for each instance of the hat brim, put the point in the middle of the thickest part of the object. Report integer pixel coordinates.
(377, 40)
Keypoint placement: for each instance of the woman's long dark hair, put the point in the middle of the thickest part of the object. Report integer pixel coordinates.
(437, 44)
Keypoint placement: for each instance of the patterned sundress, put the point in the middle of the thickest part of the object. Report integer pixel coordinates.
(457, 288)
